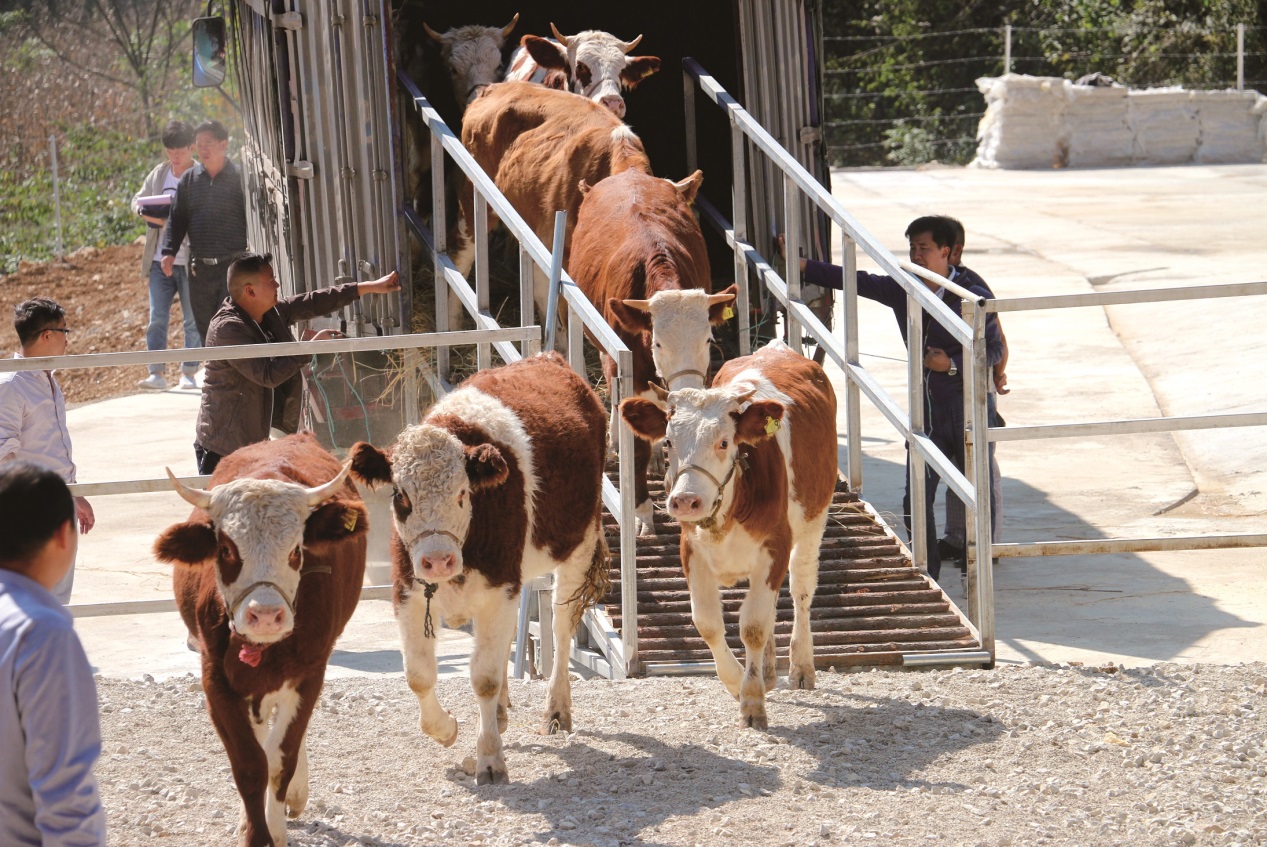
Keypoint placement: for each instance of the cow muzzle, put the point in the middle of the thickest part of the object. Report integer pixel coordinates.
(262, 614)
(437, 556)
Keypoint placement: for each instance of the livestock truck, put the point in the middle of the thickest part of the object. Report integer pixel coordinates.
(328, 166)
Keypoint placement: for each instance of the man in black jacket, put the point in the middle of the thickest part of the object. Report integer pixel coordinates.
(237, 395)
(931, 240)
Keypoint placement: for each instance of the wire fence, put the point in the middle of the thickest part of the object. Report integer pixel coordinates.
(910, 99)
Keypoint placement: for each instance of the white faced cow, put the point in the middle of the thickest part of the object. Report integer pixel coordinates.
(271, 564)
(593, 64)
(639, 256)
(473, 55)
(499, 485)
(752, 467)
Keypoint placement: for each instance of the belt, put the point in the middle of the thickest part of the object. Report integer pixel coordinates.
(216, 260)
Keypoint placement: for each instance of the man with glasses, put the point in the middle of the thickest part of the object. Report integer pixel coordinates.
(210, 209)
(33, 408)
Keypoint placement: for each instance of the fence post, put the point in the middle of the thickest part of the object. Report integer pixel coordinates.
(57, 197)
(1240, 57)
(1007, 49)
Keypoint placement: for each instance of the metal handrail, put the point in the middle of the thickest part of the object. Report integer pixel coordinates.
(619, 501)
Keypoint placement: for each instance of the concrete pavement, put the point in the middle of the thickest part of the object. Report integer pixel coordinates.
(1029, 233)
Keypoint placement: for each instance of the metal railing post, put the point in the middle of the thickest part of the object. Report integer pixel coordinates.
(1240, 57)
(739, 217)
(978, 539)
(791, 249)
(1007, 49)
(916, 468)
(628, 523)
(556, 271)
(439, 229)
(853, 397)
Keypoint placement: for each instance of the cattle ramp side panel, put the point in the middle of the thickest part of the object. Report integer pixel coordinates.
(872, 607)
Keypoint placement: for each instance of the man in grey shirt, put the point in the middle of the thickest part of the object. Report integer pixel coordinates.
(211, 209)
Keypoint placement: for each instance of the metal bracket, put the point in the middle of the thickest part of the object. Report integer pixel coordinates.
(300, 170)
(289, 20)
(366, 267)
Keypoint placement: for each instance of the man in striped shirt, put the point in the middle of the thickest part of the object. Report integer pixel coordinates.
(210, 208)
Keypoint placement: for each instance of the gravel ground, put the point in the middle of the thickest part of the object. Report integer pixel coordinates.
(1053, 755)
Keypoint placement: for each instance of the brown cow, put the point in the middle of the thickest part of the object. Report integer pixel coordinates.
(499, 485)
(752, 468)
(271, 565)
(538, 144)
(639, 255)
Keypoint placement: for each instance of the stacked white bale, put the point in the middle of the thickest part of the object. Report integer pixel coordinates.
(1165, 122)
(1021, 127)
(1097, 128)
(1228, 123)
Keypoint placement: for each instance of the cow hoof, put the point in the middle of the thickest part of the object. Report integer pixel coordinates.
(492, 776)
(754, 722)
(439, 736)
(296, 802)
(801, 678)
(555, 723)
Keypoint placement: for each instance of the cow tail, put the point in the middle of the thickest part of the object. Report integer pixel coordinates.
(597, 578)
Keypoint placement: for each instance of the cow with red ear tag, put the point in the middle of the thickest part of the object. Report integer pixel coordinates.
(269, 570)
(752, 468)
(500, 484)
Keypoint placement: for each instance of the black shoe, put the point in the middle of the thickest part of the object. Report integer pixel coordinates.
(952, 554)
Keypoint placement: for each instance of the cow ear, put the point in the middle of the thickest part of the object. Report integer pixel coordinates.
(485, 467)
(335, 520)
(370, 465)
(544, 52)
(638, 68)
(648, 420)
(721, 306)
(186, 543)
(758, 422)
(583, 187)
(689, 187)
(629, 318)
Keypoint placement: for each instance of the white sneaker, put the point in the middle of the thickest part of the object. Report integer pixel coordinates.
(187, 383)
(154, 382)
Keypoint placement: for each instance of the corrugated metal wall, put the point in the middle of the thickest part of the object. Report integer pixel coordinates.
(322, 178)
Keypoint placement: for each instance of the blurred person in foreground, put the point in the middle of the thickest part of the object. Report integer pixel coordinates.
(50, 731)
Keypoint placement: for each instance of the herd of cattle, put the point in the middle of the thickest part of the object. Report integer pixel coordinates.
(501, 482)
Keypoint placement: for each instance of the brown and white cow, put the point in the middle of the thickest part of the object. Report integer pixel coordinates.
(593, 64)
(639, 255)
(271, 563)
(752, 467)
(500, 484)
(538, 145)
(473, 56)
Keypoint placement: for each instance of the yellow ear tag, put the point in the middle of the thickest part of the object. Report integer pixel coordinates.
(771, 425)
(727, 313)
(349, 519)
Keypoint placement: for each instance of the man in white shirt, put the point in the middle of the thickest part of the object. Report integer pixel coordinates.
(33, 408)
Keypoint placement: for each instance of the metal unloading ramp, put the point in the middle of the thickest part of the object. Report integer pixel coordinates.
(872, 607)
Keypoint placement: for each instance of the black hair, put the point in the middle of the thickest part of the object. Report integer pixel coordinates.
(31, 317)
(177, 134)
(938, 226)
(246, 264)
(34, 504)
(955, 227)
(217, 130)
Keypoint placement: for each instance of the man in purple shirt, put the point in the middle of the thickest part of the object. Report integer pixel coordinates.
(50, 731)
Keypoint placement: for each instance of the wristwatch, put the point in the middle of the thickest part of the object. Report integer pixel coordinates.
(952, 371)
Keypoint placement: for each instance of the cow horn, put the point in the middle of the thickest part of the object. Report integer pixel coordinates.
(640, 305)
(715, 299)
(435, 36)
(508, 28)
(626, 46)
(659, 391)
(322, 493)
(194, 496)
(745, 396)
(558, 36)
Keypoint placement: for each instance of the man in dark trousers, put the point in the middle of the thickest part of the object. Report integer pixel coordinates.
(237, 395)
(211, 209)
(931, 240)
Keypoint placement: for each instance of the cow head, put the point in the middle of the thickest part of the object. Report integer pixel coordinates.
(680, 323)
(256, 532)
(702, 430)
(473, 55)
(434, 475)
(596, 63)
